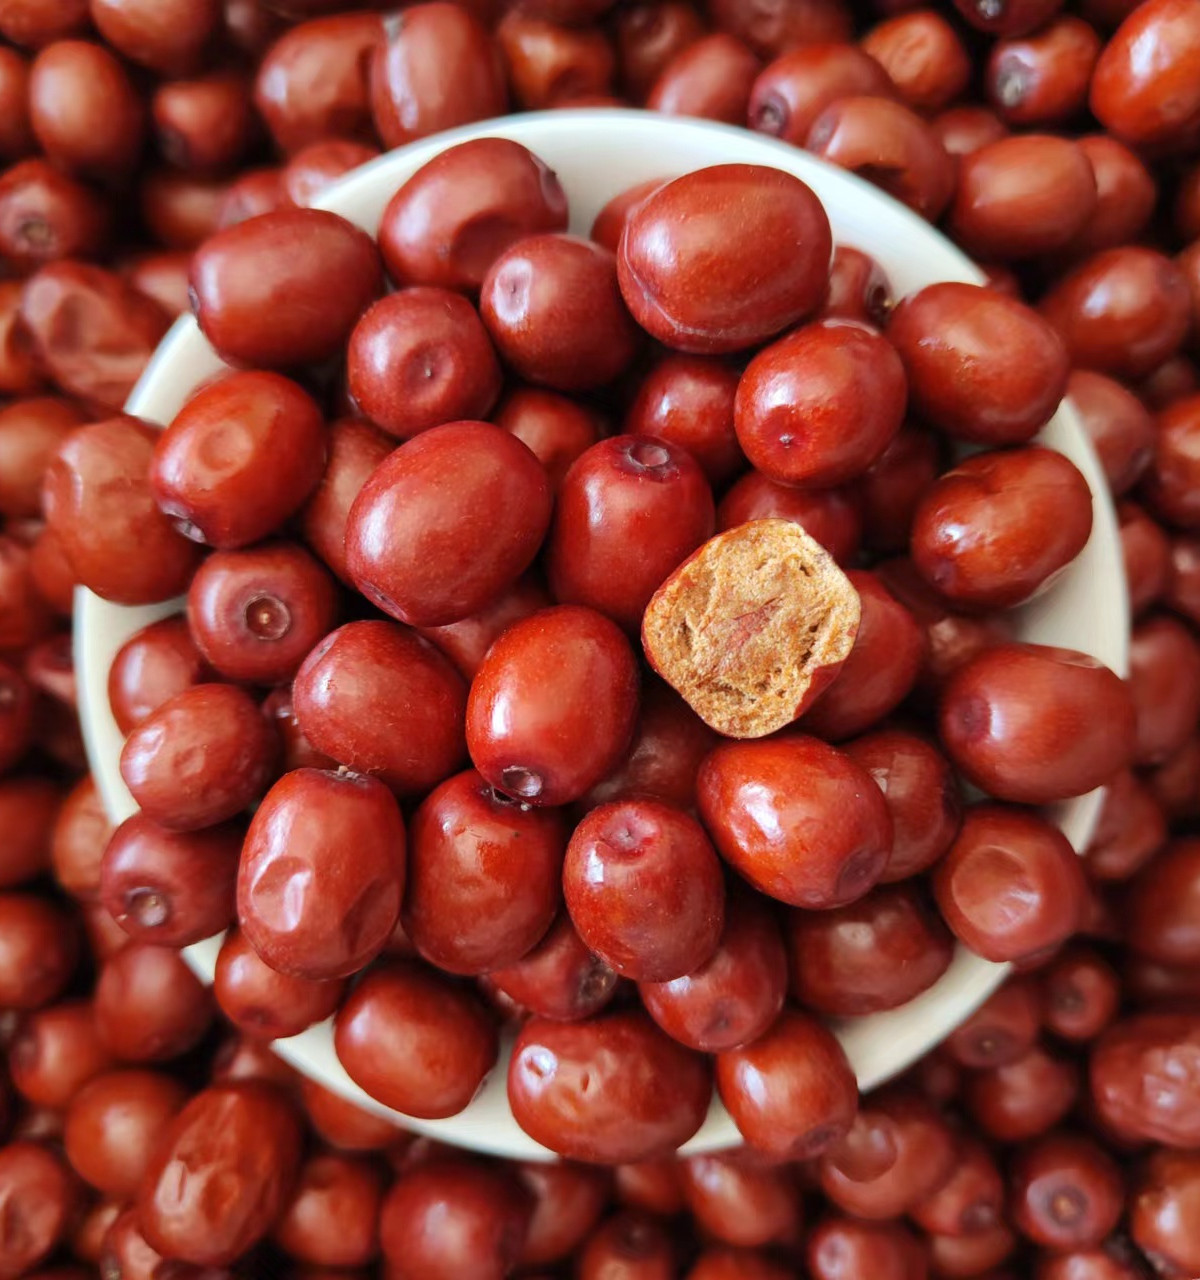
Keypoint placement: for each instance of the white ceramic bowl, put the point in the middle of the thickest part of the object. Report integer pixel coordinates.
(597, 154)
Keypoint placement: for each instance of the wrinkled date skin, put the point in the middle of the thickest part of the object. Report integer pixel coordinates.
(239, 458)
(691, 263)
(798, 818)
(611, 1090)
(322, 873)
(99, 503)
(222, 1174)
(92, 331)
(457, 214)
(1144, 1073)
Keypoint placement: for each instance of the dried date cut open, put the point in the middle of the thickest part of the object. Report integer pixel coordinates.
(752, 627)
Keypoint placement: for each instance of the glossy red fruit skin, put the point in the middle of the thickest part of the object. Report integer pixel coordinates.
(791, 1092)
(770, 29)
(318, 166)
(608, 1091)
(797, 86)
(843, 1248)
(322, 873)
(1119, 426)
(553, 706)
(1143, 1072)
(1145, 88)
(1171, 474)
(734, 1201)
(39, 1195)
(233, 1140)
(263, 1003)
(54, 1052)
(832, 516)
(31, 430)
(332, 1219)
(354, 449)
(1122, 311)
(981, 366)
(284, 289)
(644, 889)
(819, 406)
(153, 665)
(737, 993)
(797, 818)
(1033, 724)
(922, 794)
(484, 876)
(970, 1201)
(879, 672)
(995, 529)
(114, 1124)
(1021, 197)
(99, 504)
(1163, 1212)
(688, 282)
(149, 1006)
(568, 1201)
(1011, 885)
(1004, 1028)
(875, 954)
(363, 681)
(239, 458)
(428, 560)
(553, 309)
(413, 1041)
(91, 331)
(1161, 912)
(550, 64)
(467, 641)
(453, 1216)
(888, 145)
(255, 613)
(688, 401)
(628, 513)
(421, 357)
(312, 82)
(1023, 1099)
(560, 978)
(170, 888)
(451, 220)
(710, 79)
(1164, 683)
(899, 1150)
(437, 67)
(29, 814)
(200, 758)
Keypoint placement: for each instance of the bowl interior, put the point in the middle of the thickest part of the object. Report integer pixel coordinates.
(597, 154)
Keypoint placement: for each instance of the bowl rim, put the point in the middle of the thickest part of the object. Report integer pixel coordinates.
(909, 1031)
